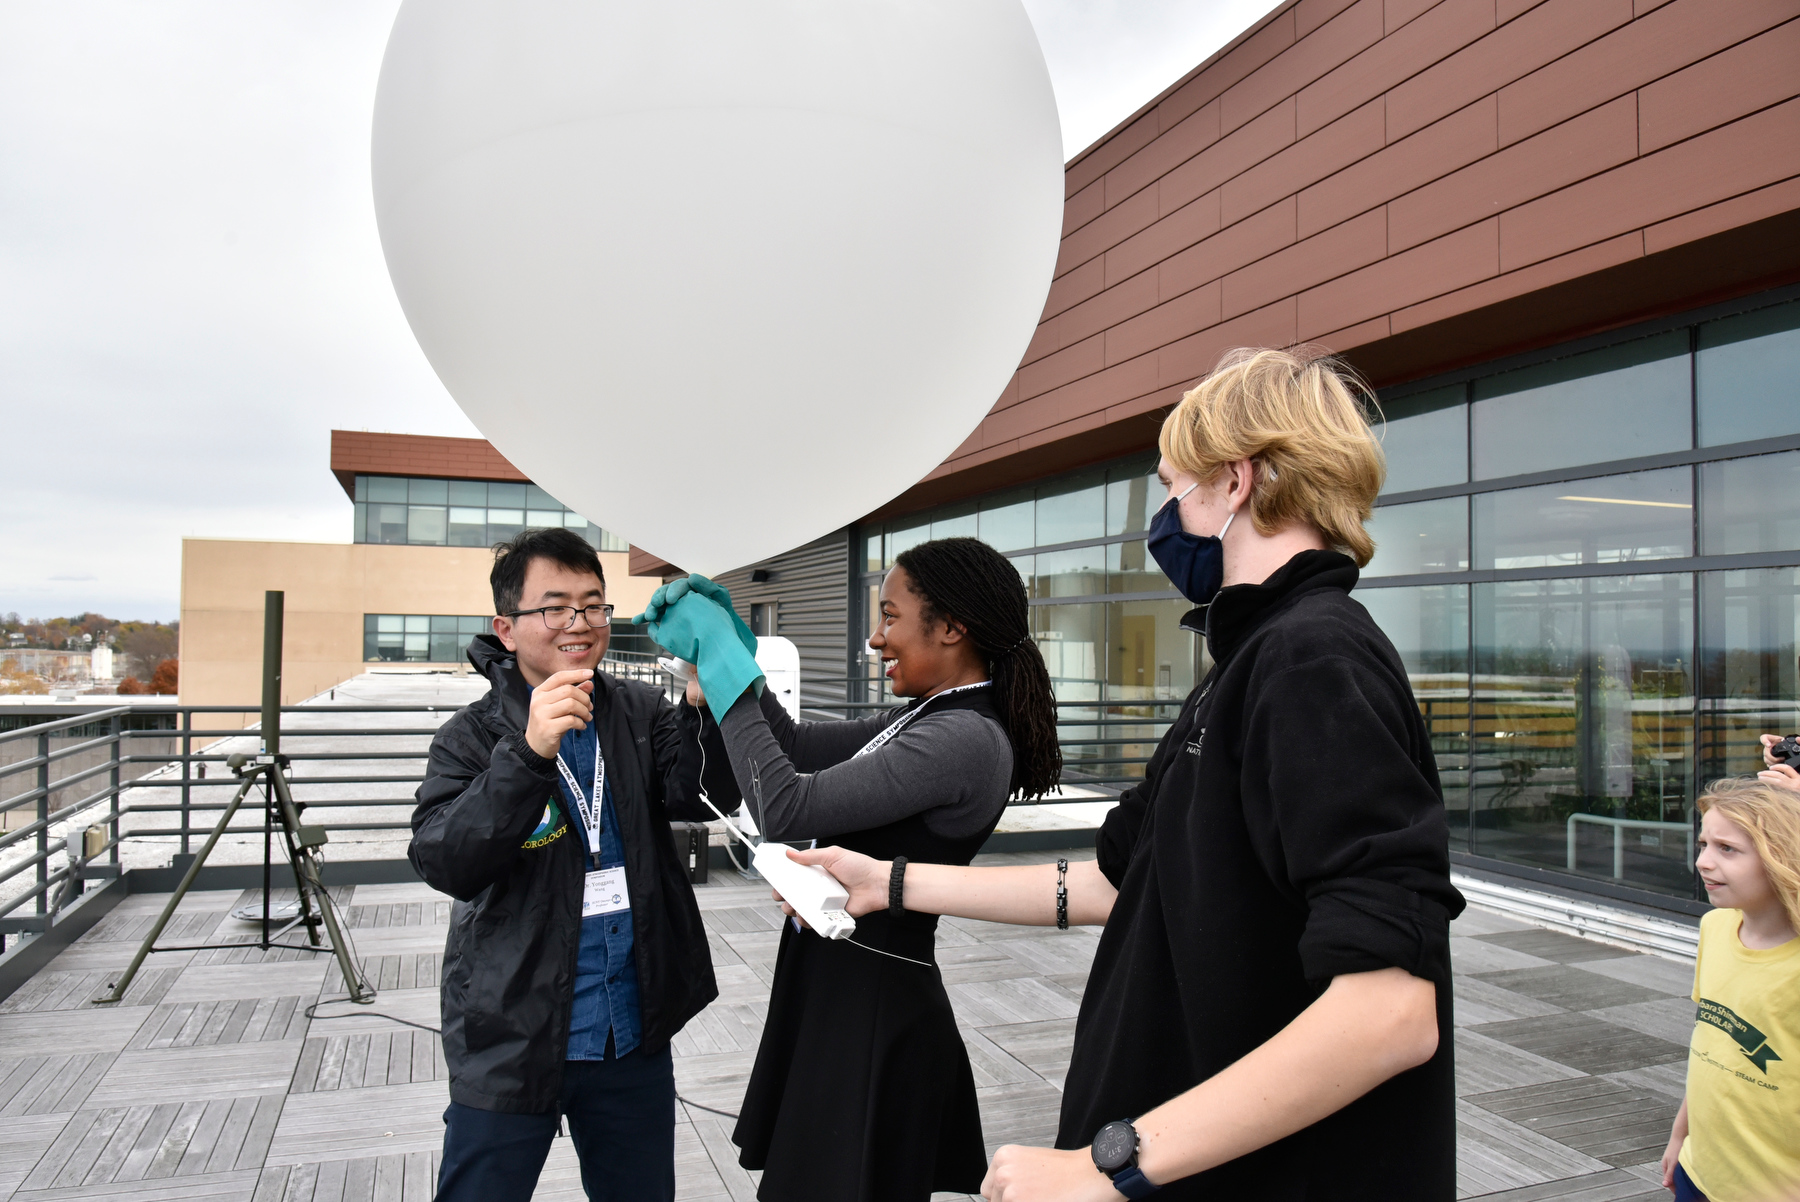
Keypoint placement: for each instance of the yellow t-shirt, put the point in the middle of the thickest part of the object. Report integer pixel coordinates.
(1743, 1077)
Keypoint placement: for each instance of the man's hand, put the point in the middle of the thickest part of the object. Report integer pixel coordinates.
(865, 879)
(1046, 1175)
(564, 702)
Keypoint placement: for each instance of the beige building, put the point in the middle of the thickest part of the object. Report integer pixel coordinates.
(407, 592)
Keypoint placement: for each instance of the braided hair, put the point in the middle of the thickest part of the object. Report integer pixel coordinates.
(968, 584)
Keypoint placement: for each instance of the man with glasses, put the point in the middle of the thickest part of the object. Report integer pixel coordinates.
(575, 950)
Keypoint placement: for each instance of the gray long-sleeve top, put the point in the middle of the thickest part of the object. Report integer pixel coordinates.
(954, 767)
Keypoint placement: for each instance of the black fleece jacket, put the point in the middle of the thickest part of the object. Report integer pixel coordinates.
(1290, 828)
(482, 835)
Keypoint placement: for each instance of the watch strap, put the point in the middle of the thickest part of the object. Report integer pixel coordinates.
(897, 886)
(1131, 1182)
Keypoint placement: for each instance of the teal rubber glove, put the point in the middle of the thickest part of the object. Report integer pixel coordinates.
(668, 594)
(699, 630)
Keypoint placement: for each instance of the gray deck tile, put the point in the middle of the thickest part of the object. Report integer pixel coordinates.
(1484, 1065)
(1002, 1003)
(223, 982)
(717, 1080)
(1054, 953)
(176, 1074)
(23, 1140)
(1584, 1042)
(1025, 1112)
(1596, 1116)
(211, 1187)
(714, 1134)
(1554, 945)
(993, 1064)
(1614, 1185)
(1569, 988)
(1479, 955)
(1042, 1046)
(204, 1024)
(376, 1121)
(1669, 1080)
(343, 1018)
(101, 1029)
(1478, 1002)
(1494, 1154)
(49, 1084)
(762, 916)
(1476, 921)
(1652, 972)
(1670, 1018)
(187, 926)
(77, 990)
(408, 891)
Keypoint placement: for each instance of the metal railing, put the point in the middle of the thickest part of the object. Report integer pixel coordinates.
(88, 782)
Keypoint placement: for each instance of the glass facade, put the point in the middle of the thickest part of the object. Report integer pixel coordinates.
(1104, 616)
(462, 513)
(420, 638)
(1593, 639)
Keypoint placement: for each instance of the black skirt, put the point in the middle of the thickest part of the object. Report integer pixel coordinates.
(862, 1090)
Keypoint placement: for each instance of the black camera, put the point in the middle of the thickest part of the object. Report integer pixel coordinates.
(1787, 751)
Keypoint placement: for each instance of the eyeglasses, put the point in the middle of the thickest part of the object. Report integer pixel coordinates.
(562, 617)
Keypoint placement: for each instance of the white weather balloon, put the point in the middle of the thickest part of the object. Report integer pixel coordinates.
(721, 275)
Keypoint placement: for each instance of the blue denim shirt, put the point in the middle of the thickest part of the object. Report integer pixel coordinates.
(606, 983)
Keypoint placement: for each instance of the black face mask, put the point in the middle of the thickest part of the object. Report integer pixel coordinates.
(1194, 564)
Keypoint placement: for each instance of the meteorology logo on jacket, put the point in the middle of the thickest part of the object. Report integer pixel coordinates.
(550, 829)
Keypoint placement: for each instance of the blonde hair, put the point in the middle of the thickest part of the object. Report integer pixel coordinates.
(1770, 815)
(1300, 418)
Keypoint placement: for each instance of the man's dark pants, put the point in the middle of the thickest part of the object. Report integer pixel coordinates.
(621, 1116)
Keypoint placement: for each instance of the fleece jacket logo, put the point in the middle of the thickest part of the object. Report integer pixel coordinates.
(550, 829)
(1753, 1043)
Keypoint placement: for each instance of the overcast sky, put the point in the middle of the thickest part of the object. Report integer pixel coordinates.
(192, 292)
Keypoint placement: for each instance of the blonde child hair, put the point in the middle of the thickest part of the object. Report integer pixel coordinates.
(1302, 419)
(1770, 815)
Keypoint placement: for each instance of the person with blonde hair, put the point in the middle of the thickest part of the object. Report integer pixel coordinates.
(1268, 1012)
(1737, 1135)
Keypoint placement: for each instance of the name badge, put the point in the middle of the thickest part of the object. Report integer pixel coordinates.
(605, 893)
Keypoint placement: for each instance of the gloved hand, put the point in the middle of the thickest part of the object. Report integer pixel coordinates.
(699, 630)
(675, 590)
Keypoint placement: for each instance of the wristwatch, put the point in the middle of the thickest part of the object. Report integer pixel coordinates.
(1115, 1153)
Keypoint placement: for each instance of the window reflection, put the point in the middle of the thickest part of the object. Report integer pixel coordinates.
(1745, 376)
(1583, 705)
(1429, 627)
(1426, 439)
(1423, 536)
(1129, 569)
(1750, 658)
(1077, 573)
(1574, 410)
(1005, 522)
(1133, 495)
(1750, 504)
(958, 522)
(402, 510)
(1072, 640)
(1605, 519)
(1071, 510)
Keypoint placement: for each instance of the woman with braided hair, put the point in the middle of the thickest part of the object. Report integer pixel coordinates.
(862, 1088)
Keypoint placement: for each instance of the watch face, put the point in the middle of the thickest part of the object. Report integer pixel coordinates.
(1114, 1147)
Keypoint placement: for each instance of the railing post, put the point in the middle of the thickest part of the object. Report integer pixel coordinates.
(187, 775)
(112, 819)
(43, 817)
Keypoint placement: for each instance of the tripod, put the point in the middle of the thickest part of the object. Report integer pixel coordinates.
(299, 841)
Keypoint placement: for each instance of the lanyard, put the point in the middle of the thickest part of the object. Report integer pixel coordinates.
(590, 813)
(880, 740)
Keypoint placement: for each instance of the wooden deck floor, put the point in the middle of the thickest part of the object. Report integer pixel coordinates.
(209, 1082)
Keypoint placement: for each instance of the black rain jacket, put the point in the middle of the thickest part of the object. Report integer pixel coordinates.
(480, 835)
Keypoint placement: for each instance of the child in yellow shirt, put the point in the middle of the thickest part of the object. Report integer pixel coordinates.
(1737, 1136)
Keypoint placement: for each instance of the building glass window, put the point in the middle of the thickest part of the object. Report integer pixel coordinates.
(462, 513)
(1605, 519)
(1426, 439)
(1583, 728)
(1424, 536)
(420, 638)
(1619, 402)
(1429, 627)
(1745, 378)
(1750, 504)
(1005, 523)
(1750, 665)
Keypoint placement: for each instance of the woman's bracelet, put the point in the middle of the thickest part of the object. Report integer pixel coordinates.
(897, 886)
(1062, 895)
